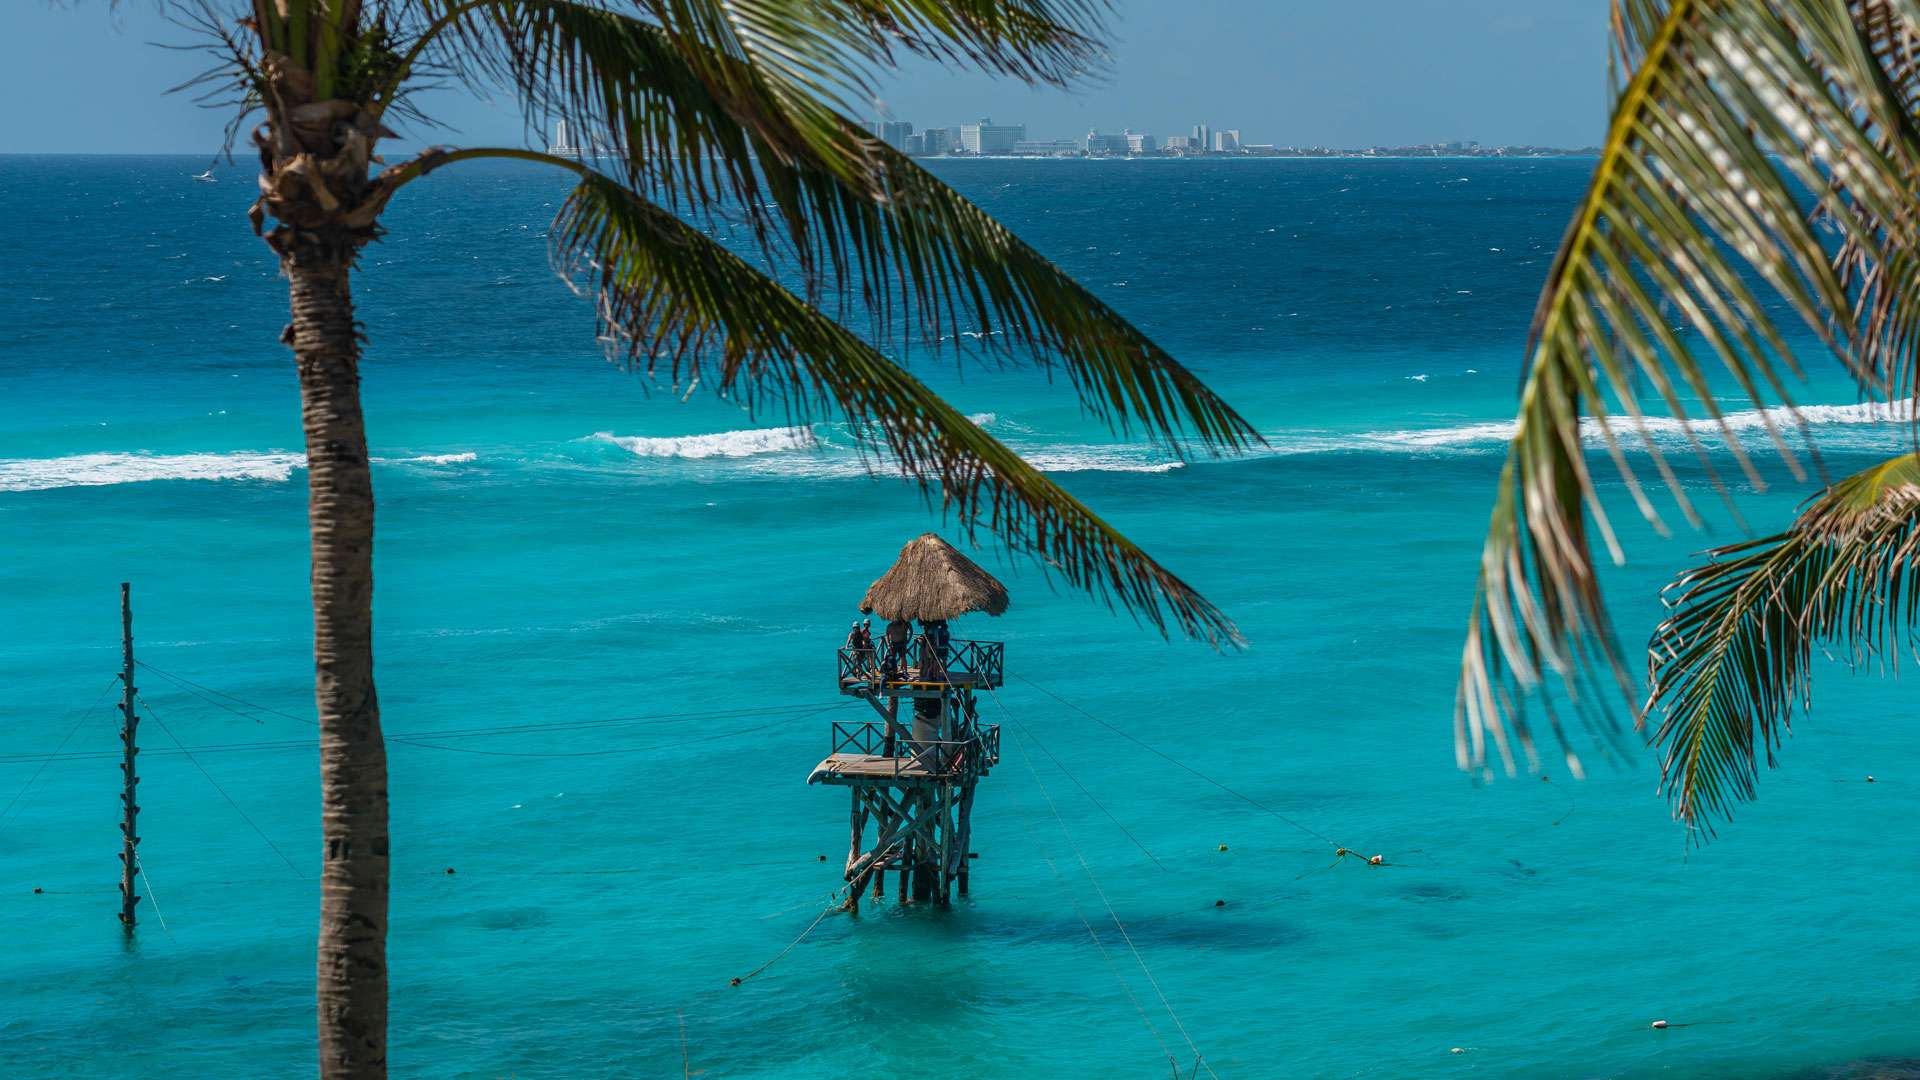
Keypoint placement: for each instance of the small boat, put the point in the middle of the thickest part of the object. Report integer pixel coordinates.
(206, 177)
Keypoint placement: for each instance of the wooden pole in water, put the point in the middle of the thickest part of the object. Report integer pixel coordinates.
(964, 831)
(130, 807)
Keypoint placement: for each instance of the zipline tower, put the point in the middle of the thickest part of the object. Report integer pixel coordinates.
(914, 775)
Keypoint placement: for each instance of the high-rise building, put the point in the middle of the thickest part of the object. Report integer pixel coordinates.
(1227, 141)
(914, 145)
(1046, 148)
(563, 144)
(1096, 143)
(1178, 142)
(1138, 143)
(1202, 136)
(936, 141)
(987, 137)
(894, 133)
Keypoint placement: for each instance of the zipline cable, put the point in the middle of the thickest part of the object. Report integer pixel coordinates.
(1083, 788)
(196, 689)
(1157, 752)
(1099, 945)
(223, 791)
(448, 733)
(81, 718)
(417, 738)
(1200, 1058)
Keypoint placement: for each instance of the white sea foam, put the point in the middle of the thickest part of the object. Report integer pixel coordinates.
(439, 459)
(1665, 428)
(98, 470)
(723, 444)
(105, 469)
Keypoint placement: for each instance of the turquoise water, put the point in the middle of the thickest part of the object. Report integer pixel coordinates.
(560, 544)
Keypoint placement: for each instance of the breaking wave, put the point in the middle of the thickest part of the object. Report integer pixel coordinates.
(724, 444)
(1663, 428)
(99, 470)
(800, 452)
(436, 459)
(106, 469)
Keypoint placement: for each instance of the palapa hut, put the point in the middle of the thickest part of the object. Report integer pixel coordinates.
(932, 581)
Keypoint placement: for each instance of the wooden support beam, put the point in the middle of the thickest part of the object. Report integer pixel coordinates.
(903, 831)
(964, 834)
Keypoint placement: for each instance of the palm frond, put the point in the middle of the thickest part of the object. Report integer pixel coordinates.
(1741, 124)
(712, 116)
(670, 296)
(1039, 41)
(1729, 666)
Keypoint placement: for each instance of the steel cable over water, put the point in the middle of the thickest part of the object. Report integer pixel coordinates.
(79, 718)
(1199, 1058)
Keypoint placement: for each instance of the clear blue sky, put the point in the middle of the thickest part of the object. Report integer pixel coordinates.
(87, 79)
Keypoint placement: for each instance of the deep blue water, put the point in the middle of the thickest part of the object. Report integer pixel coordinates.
(560, 542)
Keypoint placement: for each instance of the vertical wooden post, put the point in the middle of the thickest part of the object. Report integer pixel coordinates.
(130, 777)
(906, 846)
(963, 832)
(853, 852)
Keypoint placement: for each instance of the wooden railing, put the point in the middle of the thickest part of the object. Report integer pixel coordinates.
(979, 664)
(979, 750)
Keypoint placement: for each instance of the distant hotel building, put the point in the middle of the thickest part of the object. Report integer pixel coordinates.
(939, 140)
(1045, 148)
(1140, 144)
(989, 138)
(1226, 141)
(1096, 143)
(894, 133)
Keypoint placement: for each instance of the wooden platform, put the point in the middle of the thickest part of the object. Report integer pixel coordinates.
(871, 770)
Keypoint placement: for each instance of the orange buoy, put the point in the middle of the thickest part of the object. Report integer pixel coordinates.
(1377, 860)
(734, 982)
(1660, 1023)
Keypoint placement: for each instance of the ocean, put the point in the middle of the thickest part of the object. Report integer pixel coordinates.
(606, 619)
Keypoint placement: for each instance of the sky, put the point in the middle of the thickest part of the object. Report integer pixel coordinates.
(1341, 73)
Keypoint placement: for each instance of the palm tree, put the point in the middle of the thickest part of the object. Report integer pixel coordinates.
(1755, 148)
(708, 111)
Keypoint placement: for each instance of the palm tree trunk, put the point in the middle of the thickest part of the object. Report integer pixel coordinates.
(352, 991)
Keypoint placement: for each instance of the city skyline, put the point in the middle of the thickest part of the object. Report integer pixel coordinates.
(985, 138)
(1401, 72)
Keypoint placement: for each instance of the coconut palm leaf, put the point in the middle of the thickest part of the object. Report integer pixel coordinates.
(666, 291)
(1729, 666)
(1742, 123)
(706, 116)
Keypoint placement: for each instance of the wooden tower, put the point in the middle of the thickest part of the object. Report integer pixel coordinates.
(913, 771)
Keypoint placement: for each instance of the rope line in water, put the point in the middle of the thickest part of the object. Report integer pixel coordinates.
(1200, 1058)
(223, 791)
(154, 900)
(79, 719)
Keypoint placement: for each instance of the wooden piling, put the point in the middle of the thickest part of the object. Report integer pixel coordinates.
(129, 775)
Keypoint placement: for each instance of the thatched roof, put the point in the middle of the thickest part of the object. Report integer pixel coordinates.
(931, 580)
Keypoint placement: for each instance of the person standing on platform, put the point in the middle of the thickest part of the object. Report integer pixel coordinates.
(894, 664)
